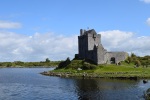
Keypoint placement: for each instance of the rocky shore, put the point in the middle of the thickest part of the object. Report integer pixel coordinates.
(85, 75)
(69, 74)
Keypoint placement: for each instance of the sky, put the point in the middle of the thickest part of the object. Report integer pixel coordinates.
(33, 30)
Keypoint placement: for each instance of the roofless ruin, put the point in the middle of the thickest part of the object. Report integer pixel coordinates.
(90, 47)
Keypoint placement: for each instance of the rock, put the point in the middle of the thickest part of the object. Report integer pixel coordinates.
(147, 94)
(145, 81)
(79, 69)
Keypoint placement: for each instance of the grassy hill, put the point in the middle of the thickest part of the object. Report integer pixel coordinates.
(132, 67)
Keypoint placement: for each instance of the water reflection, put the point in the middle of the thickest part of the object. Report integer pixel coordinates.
(105, 89)
(28, 84)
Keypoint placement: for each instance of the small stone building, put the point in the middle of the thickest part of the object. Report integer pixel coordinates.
(90, 47)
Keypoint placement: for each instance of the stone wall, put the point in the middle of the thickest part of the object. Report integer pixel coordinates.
(119, 56)
(101, 54)
(82, 46)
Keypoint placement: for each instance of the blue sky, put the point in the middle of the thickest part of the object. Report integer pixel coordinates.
(32, 21)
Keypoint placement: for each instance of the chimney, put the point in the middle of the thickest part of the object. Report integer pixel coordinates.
(81, 32)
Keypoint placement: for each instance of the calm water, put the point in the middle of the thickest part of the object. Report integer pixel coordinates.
(28, 84)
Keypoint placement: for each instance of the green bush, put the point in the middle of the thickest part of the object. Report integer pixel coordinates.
(64, 64)
(87, 66)
(9, 64)
(137, 63)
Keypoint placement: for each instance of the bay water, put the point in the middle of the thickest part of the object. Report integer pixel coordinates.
(29, 84)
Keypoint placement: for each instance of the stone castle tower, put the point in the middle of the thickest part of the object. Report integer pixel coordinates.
(90, 47)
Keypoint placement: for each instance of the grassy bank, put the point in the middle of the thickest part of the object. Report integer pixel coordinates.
(80, 68)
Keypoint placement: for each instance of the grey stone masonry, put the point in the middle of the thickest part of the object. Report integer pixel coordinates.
(90, 47)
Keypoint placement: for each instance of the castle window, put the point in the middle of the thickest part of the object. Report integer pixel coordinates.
(94, 37)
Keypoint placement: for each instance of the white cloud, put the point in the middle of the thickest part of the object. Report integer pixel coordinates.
(116, 40)
(8, 25)
(37, 47)
(146, 1)
(148, 21)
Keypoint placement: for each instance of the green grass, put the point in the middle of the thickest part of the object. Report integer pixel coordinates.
(109, 70)
(123, 71)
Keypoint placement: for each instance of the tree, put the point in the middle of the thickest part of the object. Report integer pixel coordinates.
(147, 63)
(47, 60)
(133, 55)
(19, 63)
(64, 64)
(128, 60)
(143, 63)
(137, 63)
(8, 64)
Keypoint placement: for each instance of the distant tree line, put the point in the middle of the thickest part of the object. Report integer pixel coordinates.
(46, 63)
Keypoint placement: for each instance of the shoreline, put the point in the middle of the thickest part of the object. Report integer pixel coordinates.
(93, 75)
(29, 67)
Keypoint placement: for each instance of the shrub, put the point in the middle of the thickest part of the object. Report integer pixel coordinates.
(9, 64)
(64, 63)
(137, 63)
(87, 66)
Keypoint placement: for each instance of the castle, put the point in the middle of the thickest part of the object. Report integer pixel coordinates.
(90, 47)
